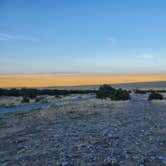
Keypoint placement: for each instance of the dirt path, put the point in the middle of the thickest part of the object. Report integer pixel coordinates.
(98, 133)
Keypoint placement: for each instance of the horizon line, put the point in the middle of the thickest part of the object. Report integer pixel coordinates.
(87, 73)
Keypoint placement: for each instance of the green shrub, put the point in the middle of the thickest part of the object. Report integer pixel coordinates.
(155, 96)
(121, 94)
(106, 91)
(37, 99)
(138, 91)
(25, 99)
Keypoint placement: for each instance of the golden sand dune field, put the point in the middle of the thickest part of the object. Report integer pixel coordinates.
(51, 80)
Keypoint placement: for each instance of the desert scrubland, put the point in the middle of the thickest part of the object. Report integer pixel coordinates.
(98, 132)
(56, 80)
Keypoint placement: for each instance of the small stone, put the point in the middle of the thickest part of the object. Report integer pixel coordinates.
(64, 163)
(4, 164)
(113, 160)
(163, 159)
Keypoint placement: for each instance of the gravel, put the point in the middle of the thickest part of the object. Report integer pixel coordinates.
(95, 133)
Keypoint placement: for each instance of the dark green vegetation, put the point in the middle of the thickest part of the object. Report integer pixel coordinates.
(25, 99)
(138, 91)
(106, 91)
(155, 96)
(32, 93)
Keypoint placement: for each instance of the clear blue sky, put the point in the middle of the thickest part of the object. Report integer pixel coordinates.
(87, 36)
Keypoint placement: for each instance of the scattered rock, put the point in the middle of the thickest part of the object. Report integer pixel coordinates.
(124, 134)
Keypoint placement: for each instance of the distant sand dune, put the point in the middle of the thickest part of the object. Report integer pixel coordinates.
(51, 80)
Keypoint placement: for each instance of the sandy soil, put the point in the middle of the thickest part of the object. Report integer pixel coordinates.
(101, 132)
(52, 80)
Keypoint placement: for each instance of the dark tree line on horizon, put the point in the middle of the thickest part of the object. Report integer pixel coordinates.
(140, 91)
(32, 93)
(105, 91)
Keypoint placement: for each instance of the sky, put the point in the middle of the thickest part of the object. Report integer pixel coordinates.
(82, 36)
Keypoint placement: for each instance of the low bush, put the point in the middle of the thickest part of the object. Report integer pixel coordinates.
(121, 94)
(155, 96)
(37, 99)
(106, 91)
(25, 99)
(138, 91)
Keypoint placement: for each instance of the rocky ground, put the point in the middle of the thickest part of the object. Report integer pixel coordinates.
(96, 133)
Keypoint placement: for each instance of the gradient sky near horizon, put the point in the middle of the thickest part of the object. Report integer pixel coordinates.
(82, 36)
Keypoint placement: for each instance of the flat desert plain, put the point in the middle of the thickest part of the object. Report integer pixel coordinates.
(93, 133)
(53, 80)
